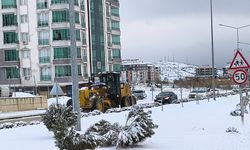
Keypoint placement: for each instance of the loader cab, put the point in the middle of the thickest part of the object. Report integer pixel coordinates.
(112, 81)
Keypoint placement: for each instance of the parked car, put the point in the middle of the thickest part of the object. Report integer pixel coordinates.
(166, 97)
(140, 94)
(200, 93)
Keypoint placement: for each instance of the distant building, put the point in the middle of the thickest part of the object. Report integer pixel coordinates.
(205, 71)
(135, 71)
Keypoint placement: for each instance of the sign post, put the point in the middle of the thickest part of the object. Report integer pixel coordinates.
(240, 76)
(152, 89)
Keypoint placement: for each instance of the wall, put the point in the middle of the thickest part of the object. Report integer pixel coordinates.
(8, 104)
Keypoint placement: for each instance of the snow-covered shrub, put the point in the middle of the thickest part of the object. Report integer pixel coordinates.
(106, 130)
(139, 126)
(20, 124)
(7, 125)
(237, 112)
(59, 117)
(34, 122)
(232, 130)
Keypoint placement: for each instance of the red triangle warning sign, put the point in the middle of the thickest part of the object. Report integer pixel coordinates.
(239, 61)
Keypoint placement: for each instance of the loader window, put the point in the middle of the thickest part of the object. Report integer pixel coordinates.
(122, 86)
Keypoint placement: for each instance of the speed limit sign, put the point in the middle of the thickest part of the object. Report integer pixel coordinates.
(240, 76)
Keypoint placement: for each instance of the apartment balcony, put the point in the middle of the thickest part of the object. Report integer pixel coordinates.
(44, 60)
(42, 5)
(43, 42)
(45, 77)
(42, 24)
(85, 59)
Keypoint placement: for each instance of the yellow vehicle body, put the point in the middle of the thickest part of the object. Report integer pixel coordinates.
(99, 97)
(108, 93)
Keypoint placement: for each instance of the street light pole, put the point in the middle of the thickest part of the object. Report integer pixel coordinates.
(212, 46)
(237, 32)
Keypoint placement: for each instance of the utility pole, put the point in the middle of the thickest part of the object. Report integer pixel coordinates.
(89, 39)
(212, 47)
(74, 70)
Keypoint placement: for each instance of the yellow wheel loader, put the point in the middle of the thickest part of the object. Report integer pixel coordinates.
(109, 92)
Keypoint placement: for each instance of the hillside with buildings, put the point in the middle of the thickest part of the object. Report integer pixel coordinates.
(175, 70)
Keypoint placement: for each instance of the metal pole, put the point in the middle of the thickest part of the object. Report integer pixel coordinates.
(89, 40)
(74, 70)
(237, 29)
(212, 46)
(241, 105)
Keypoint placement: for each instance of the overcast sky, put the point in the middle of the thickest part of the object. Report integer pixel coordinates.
(179, 30)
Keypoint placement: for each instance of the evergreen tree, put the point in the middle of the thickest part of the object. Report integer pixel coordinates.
(139, 126)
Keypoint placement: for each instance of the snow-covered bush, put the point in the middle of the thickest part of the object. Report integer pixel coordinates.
(139, 126)
(7, 125)
(232, 130)
(58, 117)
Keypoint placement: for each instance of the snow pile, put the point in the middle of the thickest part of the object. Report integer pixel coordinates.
(22, 94)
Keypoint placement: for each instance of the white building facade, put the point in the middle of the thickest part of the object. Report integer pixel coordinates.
(35, 45)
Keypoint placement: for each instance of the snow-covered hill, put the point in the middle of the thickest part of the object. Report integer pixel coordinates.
(175, 70)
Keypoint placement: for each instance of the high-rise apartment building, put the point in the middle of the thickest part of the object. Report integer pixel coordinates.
(35, 41)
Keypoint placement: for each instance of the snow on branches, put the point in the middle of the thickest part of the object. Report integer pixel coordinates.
(59, 119)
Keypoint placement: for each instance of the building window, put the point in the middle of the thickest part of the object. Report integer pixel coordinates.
(116, 53)
(26, 72)
(115, 11)
(82, 5)
(63, 2)
(115, 25)
(12, 72)
(9, 20)
(84, 40)
(25, 54)
(8, 4)
(63, 16)
(43, 19)
(23, 2)
(24, 37)
(117, 67)
(60, 16)
(44, 56)
(11, 55)
(63, 71)
(10, 37)
(78, 37)
(77, 17)
(45, 74)
(64, 52)
(24, 18)
(116, 39)
(42, 4)
(62, 34)
(43, 38)
(83, 22)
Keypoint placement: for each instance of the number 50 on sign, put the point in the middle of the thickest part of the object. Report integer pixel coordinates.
(240, 76)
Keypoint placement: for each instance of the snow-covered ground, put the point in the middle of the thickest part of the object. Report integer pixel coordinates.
(192, 127)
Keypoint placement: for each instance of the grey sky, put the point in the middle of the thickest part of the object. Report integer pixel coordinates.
(180, 29)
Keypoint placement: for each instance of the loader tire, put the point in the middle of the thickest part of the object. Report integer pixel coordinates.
(98, 104)
(133, 100)
(126, 101)
(69, 103)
